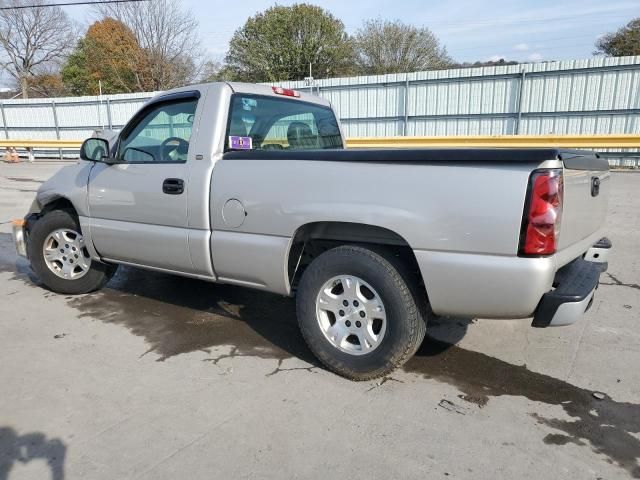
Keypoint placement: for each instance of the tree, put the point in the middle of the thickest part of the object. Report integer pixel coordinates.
(487, 63)
(33, 40)
(47, 85)
(624, 41)
(75, 74)
(213, 71)
(395, 47)
(168, 35)
(281, 42)
(109, 53)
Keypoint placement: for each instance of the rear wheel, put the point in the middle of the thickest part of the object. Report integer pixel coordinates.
(359, 312)
(60, 257)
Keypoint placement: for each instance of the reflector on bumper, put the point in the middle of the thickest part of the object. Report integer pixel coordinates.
(19, 237)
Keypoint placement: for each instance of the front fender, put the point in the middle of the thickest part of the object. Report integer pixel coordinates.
(68, 184)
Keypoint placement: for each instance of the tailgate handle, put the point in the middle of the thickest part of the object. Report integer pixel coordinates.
(173, 186)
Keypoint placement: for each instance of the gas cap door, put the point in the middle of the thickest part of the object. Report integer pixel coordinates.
(233, 213)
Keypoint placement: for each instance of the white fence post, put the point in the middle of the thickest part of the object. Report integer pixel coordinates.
(56, 125)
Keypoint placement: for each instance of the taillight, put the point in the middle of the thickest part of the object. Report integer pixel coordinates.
(542, 215)
(287, 92)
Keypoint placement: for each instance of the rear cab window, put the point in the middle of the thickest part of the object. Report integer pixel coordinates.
(259, 122)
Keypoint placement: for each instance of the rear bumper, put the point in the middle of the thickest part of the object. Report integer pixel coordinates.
(574, 288)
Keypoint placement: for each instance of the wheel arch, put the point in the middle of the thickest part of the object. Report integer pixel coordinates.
(312, 239)
(55, 202)
(41, 207)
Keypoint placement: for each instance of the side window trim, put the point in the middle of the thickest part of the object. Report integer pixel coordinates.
(141, 114)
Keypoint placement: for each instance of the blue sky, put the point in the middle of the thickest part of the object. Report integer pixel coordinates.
(526, 30)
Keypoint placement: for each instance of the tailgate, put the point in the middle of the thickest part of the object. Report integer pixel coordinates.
(586, 192)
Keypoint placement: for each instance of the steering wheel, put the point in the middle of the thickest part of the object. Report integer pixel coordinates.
(182, 146)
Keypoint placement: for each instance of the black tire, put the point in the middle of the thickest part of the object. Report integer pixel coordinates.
(404, 303)
(98, 275)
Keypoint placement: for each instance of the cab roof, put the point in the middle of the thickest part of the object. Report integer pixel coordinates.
(267, 90)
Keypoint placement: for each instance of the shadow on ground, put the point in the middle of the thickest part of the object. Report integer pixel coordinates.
(30, 447)
(608, 426)
(179, 315)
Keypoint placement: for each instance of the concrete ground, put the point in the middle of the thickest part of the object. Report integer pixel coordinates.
(158, 377)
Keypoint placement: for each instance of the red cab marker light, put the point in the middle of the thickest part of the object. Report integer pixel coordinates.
(543, 213)
(287, 92)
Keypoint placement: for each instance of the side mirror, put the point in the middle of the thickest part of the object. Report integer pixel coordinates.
(95, 150)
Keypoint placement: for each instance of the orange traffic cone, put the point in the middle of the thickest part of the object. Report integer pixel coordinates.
(11, 155)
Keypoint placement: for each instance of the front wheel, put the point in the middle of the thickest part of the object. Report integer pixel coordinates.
(359, 312)
(59, 256)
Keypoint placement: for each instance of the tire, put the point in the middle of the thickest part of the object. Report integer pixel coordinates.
(93, 277)
(403, 307)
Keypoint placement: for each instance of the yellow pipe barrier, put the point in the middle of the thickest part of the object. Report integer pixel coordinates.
(560, 141)
(17, 143)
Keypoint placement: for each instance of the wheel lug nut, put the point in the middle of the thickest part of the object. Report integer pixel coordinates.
(358, 324)
(347, 323)
(355, 303)
(66, 245)
(62, 250)
(345, 303)
(341, 312)
(362, 314)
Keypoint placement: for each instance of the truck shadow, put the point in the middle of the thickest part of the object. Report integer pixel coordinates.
(180, 315)
(30, 447)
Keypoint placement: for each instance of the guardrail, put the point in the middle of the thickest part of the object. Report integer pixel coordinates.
(561, 141)
(11, 154)
(41, 144)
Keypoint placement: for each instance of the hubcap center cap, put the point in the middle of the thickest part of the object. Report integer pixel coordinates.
(351, 314)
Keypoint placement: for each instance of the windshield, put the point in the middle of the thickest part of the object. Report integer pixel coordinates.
(267, 123)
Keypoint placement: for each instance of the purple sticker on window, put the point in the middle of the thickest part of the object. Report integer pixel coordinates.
(239, 143)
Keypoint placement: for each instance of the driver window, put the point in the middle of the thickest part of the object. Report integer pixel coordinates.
(161, 136)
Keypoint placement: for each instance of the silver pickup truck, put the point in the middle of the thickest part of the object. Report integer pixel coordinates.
(252, 186)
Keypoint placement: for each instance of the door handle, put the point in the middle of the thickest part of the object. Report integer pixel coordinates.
(173, 186)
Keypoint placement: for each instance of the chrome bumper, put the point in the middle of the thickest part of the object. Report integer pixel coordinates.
(19, 238)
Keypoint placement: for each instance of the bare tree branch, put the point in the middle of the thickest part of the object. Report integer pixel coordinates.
(169, 36)
(33, 39)
(395, 47)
